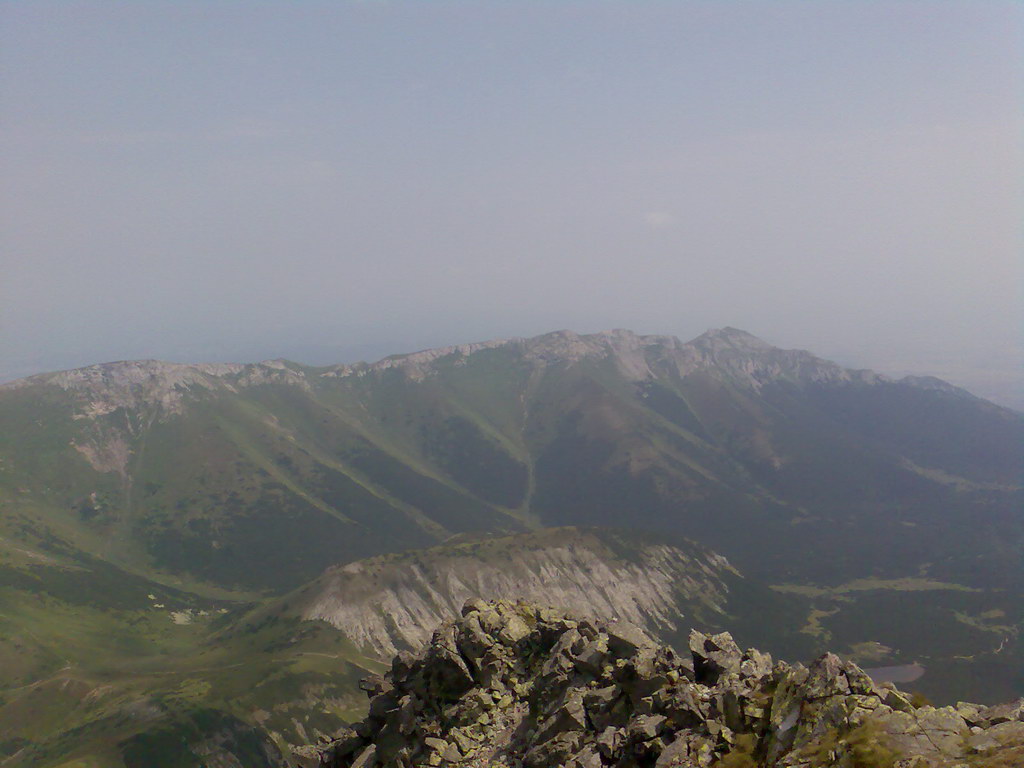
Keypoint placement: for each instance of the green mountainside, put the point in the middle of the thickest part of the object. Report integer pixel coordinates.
(148, 511)
(254, 478)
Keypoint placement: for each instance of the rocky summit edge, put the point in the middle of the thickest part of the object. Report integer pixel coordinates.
(511, 684)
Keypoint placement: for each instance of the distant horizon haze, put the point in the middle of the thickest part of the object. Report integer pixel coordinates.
(329, 182)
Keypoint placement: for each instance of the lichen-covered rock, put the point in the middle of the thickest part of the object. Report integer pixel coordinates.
(511, 685)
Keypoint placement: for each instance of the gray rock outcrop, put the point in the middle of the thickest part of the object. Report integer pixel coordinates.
(513, 685)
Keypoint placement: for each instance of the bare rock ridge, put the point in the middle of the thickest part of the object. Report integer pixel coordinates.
(740, 355)
(510, 684)
(136, 385)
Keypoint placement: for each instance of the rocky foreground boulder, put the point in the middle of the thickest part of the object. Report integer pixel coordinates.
(513, 685)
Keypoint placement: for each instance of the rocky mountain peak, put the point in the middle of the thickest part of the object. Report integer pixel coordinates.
(155, 384)
(730, 338)
(513, 684)
(633, 354)
(728, 353)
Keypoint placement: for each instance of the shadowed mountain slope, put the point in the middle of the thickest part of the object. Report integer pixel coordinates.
(257, 477)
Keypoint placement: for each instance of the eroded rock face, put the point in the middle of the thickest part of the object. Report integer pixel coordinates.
(385, 606)
(510, 684)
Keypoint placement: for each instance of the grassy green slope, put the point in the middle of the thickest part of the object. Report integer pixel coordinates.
(101, 668)
(258, 490)
(257, 486)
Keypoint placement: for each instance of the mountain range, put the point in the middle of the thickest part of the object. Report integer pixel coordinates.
(158, 519)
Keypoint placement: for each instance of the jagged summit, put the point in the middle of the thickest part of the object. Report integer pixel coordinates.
(137, 384)
(730, 337)
(562, 345)
(728, 352)
(515, 685)
(150, 373)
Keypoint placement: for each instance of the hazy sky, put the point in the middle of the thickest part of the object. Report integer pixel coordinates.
(332, 181)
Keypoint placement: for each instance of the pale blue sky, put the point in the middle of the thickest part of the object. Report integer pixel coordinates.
(329, 181)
